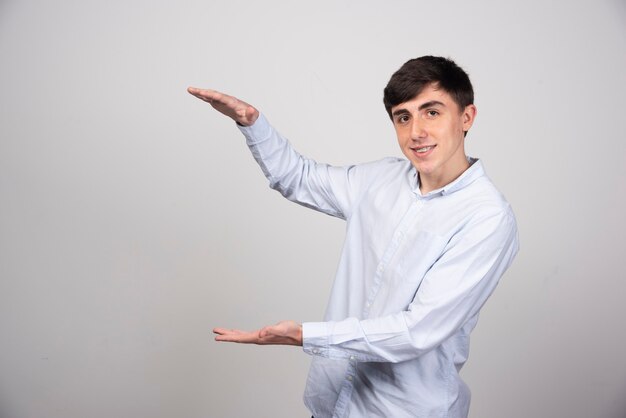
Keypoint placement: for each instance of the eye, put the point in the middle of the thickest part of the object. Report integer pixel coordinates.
(431, 113)
(402, 119)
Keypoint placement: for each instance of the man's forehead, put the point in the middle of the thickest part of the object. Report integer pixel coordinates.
(430, 94)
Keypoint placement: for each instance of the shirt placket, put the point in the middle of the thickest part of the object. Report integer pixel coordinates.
(407, 221)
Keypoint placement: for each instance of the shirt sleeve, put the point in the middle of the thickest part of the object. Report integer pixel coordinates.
(322, 187)
(450, 294)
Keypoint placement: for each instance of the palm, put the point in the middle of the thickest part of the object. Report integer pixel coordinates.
(283, 333)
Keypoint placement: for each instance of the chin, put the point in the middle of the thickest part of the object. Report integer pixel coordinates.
(422, 168)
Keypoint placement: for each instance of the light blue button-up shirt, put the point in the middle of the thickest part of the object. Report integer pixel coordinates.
(414, 272)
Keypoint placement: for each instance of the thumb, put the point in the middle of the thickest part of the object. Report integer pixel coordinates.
(251, 114)
(264, 332)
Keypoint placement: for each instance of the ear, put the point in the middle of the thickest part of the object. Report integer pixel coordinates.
(469, 114)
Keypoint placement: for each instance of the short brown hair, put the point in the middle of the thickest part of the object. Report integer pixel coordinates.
(409, 81)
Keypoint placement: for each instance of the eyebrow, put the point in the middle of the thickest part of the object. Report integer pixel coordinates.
(397, 112)
(432, 103)
(423, 106)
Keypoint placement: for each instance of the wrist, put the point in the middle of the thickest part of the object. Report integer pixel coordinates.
(299, 338)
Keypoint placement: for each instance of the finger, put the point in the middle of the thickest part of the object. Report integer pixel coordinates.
(209, 95)
(245, 338)
(199, 91)
(227, 331)
(220, 331)
(206, 95)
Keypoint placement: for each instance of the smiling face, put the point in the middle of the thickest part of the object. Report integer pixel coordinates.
(430, 130)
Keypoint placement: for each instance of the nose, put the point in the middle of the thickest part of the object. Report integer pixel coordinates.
(417, 130)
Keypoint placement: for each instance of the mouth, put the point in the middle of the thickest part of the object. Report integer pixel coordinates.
(423, 151)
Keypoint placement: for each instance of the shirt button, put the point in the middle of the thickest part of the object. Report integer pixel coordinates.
(316, 351)
(352, 358)
(350, 378)
(368, 304)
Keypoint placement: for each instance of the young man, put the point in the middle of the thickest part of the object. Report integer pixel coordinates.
(426, 243)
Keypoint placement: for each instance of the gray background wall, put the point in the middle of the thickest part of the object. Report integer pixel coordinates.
(133, 220)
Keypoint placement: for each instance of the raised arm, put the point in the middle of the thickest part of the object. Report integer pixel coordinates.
(322, 187)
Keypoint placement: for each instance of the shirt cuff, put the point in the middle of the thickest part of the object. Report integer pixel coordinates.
(258, 131)
(315, 338)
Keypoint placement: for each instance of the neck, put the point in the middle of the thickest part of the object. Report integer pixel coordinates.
(430, 182)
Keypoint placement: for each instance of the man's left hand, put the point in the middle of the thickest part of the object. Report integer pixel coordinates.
(283, 333)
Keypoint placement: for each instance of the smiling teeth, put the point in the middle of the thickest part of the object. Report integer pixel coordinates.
(423, 149)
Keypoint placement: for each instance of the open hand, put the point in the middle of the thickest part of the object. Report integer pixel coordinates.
(238, 110)
(283, 333)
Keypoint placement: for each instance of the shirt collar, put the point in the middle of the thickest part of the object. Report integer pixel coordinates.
(474, 171)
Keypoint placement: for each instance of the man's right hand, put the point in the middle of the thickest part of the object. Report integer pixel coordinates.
(238, 110)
